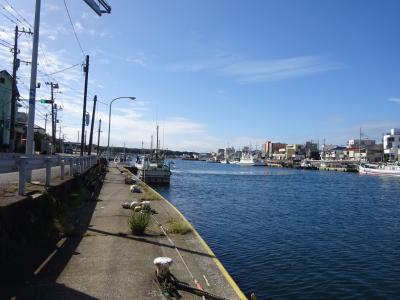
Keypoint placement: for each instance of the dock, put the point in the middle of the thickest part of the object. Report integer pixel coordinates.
(106, 261)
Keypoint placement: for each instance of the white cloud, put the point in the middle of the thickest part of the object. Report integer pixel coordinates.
(78, 26)
(394, 99)
(278, 69)
(251, 71)
(48, 7)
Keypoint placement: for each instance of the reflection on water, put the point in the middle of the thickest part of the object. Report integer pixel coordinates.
(288, 233)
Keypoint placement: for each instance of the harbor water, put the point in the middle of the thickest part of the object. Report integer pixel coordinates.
(298, 234)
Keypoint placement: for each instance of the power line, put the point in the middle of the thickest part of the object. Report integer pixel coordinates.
(73, 28)
(62, 70)
(4, 41)
(12, 15)
(19, 14)
(8, 18)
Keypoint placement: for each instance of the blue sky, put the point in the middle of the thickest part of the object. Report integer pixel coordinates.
(214, 73)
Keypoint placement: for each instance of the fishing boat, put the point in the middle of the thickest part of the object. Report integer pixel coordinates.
(247, 159)
(152, 168)
(379, 169)
(153, 171)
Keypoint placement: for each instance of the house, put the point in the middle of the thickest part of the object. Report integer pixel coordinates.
(271, 148)
(6, 82)
(334, 153)
(295, 151)
(391, 144)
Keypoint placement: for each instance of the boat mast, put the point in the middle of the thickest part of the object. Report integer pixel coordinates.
(359, 148)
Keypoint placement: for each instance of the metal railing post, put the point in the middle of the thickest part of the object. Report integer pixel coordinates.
(62, 165)
(22, 175)
(48, 171)
(80, 165)
(71, 167)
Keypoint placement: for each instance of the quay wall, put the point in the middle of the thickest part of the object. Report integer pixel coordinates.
(204, 245)
(27, 221)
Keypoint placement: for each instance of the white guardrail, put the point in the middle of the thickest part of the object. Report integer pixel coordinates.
(22, 164)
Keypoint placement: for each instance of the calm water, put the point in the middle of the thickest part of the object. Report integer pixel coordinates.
(296, 234)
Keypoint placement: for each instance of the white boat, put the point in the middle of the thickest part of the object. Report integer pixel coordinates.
(153, 172)
(248, 160)
(374, 169)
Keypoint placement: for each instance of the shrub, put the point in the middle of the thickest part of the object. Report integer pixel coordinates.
(180, 227)
(138, 221)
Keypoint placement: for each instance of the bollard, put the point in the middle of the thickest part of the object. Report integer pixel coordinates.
(62, 164)
(48, 171)
(22, 174)
(162, 266)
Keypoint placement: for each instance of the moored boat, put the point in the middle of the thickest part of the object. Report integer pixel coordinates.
(375, 169)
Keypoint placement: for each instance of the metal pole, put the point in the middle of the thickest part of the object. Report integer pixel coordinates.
(92, 125)
(109, 123)
(98, 138)
(32, 91)
(86, 69)
(109, 127)
(14, 94)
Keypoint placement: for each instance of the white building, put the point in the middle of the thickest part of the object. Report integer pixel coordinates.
(357, 142)
(391, 144)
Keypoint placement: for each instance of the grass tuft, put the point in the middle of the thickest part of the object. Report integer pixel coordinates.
(180, 227)
(138, 222)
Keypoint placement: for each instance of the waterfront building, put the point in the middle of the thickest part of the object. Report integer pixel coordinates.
(311, 150)
(391, 144)
(355, 143)
(280, 155)
(271, 148)
(371, 153)
(334, 153)
(295, 151)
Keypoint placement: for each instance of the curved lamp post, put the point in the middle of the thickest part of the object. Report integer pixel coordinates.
(109, 123)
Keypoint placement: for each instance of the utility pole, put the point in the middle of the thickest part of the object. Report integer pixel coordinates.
(92, 125)
(59, 138)
(32, 90)
(78, 136)
(16, 63)
(53, 111)
(98, 138)
(86, 70)
(45, 124)
(14, 92)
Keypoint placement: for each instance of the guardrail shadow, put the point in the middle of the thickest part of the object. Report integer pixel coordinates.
(33, 271)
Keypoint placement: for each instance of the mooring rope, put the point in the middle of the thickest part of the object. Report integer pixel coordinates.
(199, 288)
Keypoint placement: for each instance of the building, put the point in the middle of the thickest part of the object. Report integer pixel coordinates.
(295, 151)
(391, 144)
(5, 108)
(370, 153)
(355, 143)
(333, 153)
(280, 154)
(311, 150)
(271, 148)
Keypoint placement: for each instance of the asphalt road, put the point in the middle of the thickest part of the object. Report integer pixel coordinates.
(38, 175)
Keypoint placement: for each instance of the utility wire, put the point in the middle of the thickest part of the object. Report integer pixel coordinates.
(19, 14)
(11, 14)
(73, 28)
(8, 18)
(4, 41)
(62, 70)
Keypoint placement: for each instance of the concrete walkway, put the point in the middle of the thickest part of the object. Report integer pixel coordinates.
(107, 262)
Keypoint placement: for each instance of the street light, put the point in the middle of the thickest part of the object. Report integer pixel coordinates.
(109, 123)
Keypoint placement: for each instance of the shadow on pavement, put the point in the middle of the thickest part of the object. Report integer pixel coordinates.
(144, 240)
(34, 270)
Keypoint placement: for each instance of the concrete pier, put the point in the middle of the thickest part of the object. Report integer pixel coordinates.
(105, 261)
